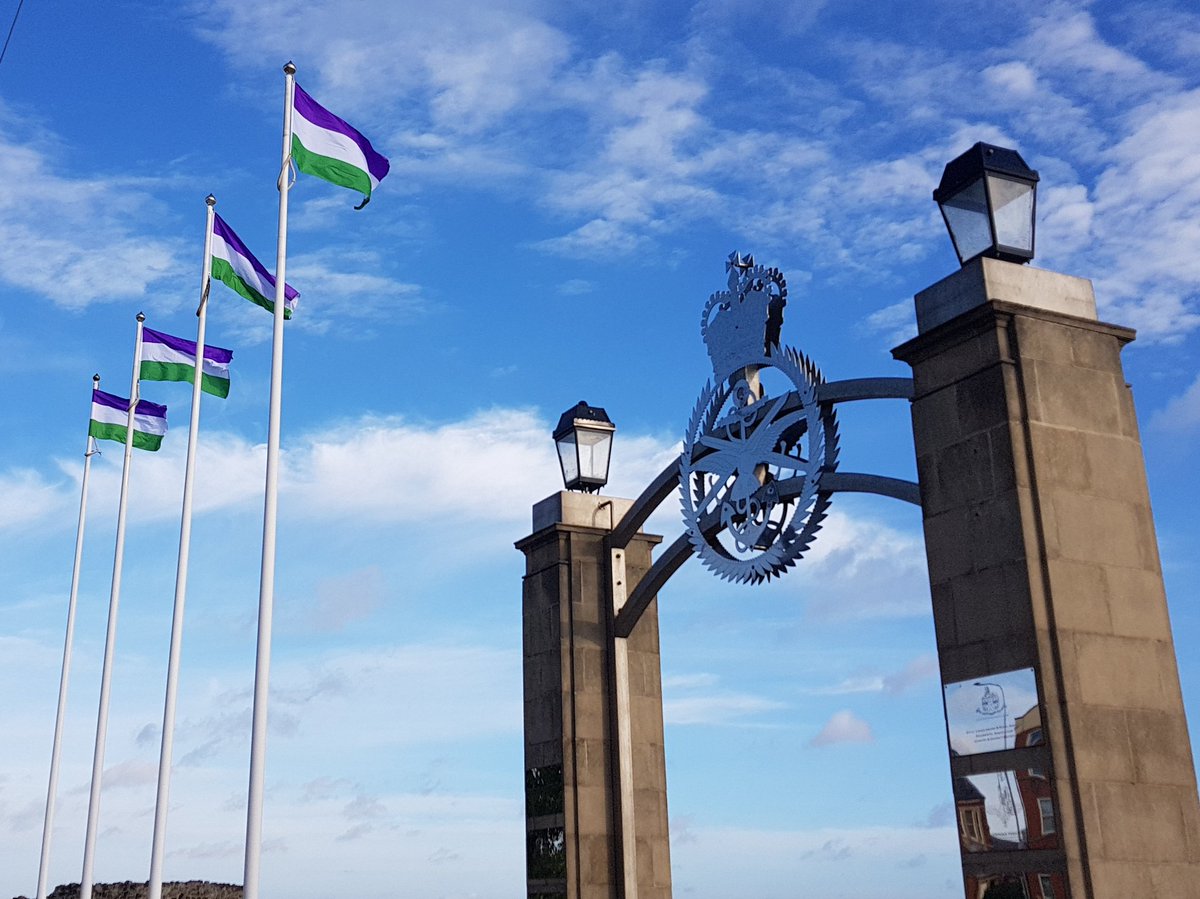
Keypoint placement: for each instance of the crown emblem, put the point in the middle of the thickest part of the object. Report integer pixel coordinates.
(741, 324)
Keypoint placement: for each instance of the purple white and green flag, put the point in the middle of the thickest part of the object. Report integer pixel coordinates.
(110, 417)
(237, 267)
(326, 146)
(167, 358)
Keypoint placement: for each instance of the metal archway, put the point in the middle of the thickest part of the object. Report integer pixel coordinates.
(628, 611)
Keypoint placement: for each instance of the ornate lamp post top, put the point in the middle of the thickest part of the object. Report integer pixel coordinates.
(988, 198)
(584, 441)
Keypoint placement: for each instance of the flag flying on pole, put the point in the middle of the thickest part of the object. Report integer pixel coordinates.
(110, 415)
(237, 267)
(167, 358)
(326, 146)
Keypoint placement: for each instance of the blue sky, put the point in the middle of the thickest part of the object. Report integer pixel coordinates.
(567, 180)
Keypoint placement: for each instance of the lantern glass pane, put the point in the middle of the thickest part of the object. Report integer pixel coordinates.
(967, 218)
(1013, 205)
(568, 458)
(594, 450)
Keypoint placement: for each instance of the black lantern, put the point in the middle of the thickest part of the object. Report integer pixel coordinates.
(988, 199)
(584, 440)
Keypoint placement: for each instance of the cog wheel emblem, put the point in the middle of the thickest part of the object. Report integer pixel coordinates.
(752, 463)
(758, 440)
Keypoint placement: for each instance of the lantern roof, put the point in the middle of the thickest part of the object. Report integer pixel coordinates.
(594, 415)
(982, 159)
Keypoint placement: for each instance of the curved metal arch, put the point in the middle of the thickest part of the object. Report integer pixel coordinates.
(643, 507)
(667, 481)
(681, 549)
(857, 482)
(828, 392)
(652, 581)
(865, 389)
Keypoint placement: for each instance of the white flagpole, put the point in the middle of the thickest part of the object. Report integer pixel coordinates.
(110, 639)
(181, 572)
(56, 752)
(266, 590)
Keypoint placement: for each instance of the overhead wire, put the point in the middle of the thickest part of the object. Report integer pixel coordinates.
(11, 29)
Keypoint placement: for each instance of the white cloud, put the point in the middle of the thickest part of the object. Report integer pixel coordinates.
(843, 727)
(652, 157)
(915, 672)
(373, 469)
(471, 64)
(332, 292)
(1159, 29)
(684, 681)
(651, 149)
(423, 157)
(597, 239)
(386, 469)
(865, 569)
(1069, 42)
(496, 64)
(456, 692)
(360, 718)
(1181, 413)
(1063, 92)
(1014, 78)
(24, 653)
(699, 698)
(575, 287)
(941, 815)
(27, 498)
(343, 599)
(871, 683)
(1147, 216)
(342, 292)
(645, 157)
(721, 708)
(922, 668)
(325, 788)
(130, 775)
(226, 850)
(229, 473)
(896, 323)
(63, 237)
(874, 862)
(1065, 221)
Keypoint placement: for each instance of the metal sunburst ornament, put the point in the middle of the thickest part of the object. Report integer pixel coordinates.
(751, 468)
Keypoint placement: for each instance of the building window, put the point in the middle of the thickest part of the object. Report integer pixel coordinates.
(1046, 809)
(1046, 882)
(1036, 738)
(970, 824)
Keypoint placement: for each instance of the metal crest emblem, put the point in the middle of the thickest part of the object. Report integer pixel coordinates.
(752, 462)
(990, 703)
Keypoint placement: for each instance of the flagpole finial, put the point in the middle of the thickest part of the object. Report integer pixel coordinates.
(141, 316)
(289, 68)
(210, 200)
(95, 381)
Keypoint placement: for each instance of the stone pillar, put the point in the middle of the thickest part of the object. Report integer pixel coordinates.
(1042, 555)
(573, 824)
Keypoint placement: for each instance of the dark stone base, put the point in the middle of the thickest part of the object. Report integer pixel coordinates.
(128, 889)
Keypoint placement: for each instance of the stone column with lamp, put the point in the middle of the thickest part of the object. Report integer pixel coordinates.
(582, 697)
(1043, 562)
